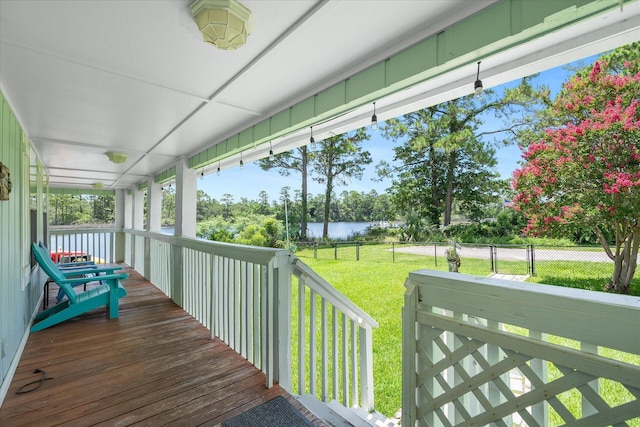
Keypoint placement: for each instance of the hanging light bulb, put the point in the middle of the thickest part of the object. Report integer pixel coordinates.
(374, 119)
(477, 86)
(218, 170)
(270, 151)
(241, 162)
(312, 141)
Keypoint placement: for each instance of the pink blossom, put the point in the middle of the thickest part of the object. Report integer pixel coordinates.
(593, 75)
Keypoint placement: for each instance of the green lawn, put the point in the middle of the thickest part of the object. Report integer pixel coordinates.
(376, 284)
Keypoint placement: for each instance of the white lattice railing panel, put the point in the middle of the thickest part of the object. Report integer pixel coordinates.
(461, 369)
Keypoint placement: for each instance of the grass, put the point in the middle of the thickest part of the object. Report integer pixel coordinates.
(592, 276)
(376, 284)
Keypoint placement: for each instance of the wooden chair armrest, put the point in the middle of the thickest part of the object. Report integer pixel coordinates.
(74, 272)
(80, 280)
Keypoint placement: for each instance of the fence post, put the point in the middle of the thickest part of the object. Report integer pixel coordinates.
(493, 270)
(393, 251)
(315, 250)
(435, 253)
(335, 251)
(533, 261)
(357, 251)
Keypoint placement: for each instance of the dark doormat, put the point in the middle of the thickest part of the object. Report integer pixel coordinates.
(275, 412)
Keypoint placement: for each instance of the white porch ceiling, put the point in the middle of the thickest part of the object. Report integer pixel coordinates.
(86, 77)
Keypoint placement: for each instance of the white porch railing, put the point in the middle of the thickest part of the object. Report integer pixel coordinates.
(479, 351)
(334, 348)
(244, 296)
(97, 243)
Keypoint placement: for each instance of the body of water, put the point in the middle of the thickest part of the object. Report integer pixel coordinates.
(337, 230)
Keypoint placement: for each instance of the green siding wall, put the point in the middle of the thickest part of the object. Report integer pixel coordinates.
(16, 304)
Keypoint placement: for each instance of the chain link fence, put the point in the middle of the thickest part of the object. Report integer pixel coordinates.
(525, 260)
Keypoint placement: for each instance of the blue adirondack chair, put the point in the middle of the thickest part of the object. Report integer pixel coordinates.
(107, 293)
(78, 268)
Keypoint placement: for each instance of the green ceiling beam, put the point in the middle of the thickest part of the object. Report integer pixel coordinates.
(503, 26)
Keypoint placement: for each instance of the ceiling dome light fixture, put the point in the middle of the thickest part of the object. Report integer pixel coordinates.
(477, 86)
(374, 119)
(270, 151)
(312, 141)
(117, 157)
(226, 24)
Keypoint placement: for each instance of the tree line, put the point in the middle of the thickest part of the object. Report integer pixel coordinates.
(81, 209)
(348, 206)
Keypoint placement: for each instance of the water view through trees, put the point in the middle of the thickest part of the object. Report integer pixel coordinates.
(337, 230)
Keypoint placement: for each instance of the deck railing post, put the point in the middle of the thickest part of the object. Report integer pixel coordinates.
(587, 406)
(409, 354)
(540, 411)
(118, 249)
(175, 274)
(366, 367)
(120, 246)
(282, 327)
(147, 258)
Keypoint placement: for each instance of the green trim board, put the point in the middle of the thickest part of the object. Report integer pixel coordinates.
(165, 176)
(502, 26)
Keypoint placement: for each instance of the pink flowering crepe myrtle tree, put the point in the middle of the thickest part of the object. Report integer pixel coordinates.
(587, 172)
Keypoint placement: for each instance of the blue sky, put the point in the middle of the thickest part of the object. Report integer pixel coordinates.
(251, 180)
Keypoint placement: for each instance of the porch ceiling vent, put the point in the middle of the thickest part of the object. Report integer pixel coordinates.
(226, 24)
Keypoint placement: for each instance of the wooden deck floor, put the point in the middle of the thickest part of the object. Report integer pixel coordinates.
(155, 365)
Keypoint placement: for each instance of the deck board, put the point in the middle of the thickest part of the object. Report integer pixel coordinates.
(155, 365)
